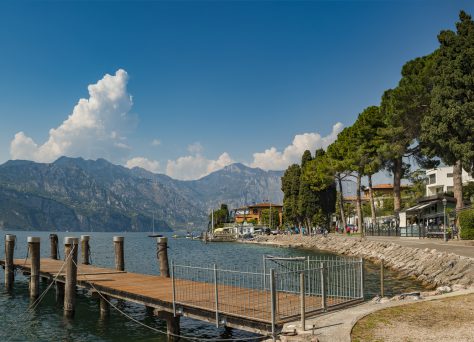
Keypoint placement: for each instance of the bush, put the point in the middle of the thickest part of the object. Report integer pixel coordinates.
(466, 221)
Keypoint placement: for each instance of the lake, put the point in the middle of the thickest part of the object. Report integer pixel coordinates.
(46, 323)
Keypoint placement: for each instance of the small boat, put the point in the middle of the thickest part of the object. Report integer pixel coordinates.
(153, 235)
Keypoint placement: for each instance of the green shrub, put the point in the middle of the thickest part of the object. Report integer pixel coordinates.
(466, 221)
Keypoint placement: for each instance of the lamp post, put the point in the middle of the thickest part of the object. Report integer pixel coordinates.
(444, 219)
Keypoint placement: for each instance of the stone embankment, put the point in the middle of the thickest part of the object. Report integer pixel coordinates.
(429, 266)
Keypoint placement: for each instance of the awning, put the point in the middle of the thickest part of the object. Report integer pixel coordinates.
(420, 206)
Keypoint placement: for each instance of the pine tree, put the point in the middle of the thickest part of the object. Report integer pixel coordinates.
(447, 131)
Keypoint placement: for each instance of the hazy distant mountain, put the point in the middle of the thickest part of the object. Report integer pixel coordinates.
(85, 195)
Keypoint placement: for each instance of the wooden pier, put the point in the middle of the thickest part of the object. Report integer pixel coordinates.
(228, 305)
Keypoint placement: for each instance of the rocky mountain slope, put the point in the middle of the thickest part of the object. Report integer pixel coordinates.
(85, 195)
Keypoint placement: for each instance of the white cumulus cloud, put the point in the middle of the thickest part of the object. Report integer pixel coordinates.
(155, 142)
(94, 129)
(144, 163)
(272, 159)
(196, 166)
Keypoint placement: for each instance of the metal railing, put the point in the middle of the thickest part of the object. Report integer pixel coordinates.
(284, 289)
(415, 230)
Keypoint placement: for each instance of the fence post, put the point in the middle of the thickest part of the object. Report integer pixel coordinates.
(264, 272)
(273, 302)
(362, 284)
(216, 293)
(302, 301)
(382, 279)
(173, 284)
(322, 271)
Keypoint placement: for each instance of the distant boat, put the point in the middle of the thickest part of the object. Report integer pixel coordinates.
(153, 234)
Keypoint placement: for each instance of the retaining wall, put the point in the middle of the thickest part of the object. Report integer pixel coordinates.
(431, 267)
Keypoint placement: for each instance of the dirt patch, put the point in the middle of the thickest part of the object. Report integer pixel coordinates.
(449, 319)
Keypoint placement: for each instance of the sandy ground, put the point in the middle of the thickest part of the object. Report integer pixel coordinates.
(448, 319)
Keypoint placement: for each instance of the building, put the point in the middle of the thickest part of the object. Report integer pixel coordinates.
(253, 213)
(429, 212)
(381, 192)
(440, 180)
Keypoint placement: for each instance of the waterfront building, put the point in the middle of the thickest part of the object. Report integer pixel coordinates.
(253, 213)
(440, 180)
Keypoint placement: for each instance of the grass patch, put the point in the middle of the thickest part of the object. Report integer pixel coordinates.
(447, 319)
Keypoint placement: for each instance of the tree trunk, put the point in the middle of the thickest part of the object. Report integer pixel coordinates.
(359, 206)
(457, 184)
(397, 178)
(341, 204)
(371, 199)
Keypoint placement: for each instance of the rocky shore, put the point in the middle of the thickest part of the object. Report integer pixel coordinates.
(429, 266)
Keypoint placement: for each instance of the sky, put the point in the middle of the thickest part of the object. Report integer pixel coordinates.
(185, 88)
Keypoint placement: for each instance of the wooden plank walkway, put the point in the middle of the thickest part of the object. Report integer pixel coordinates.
(243, 308)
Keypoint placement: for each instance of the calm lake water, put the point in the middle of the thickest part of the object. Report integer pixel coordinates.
(46, 323)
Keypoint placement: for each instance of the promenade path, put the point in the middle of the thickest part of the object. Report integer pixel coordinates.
(337, 326)
(459, 247)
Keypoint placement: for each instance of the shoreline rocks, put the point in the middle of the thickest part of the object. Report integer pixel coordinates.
(429, 266)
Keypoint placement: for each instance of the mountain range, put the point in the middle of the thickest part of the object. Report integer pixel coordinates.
(95, 195)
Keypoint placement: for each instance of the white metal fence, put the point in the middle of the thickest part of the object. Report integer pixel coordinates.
(283, 289)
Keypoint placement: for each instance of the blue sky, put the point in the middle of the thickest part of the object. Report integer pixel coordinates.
(195, 85)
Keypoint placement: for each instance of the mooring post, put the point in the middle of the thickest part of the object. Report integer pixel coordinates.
(85, 249)
(71, 245)
(172, 325)
(322, 270)
(9, 269)
(59, 292)
(34, 247)
(382, 292)
(302, 301)
(119, 255)
(53, 238)
(104, 306)
(273, 302)
(163, 256)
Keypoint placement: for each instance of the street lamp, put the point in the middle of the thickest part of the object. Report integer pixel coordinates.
(444, 219)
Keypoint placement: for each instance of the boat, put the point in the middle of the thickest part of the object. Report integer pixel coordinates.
(153, 235)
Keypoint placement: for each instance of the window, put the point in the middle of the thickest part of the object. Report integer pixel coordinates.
(432, 179)
(449, 175)
(255, 211)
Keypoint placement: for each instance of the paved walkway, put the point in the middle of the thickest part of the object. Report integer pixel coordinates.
(459, 247)
(337, 326)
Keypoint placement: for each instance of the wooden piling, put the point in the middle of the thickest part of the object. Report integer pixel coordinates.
(9, 270)
(85, 249)
(71, 245)
(104, 306)
(172, 325)
(163, 256)
(53, 238)
(59, 292)
(119, 254)
(34, 248)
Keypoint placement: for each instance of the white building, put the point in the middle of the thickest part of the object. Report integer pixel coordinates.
(440, 180)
